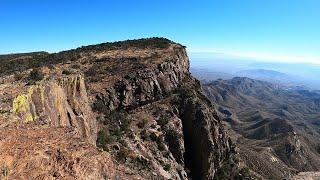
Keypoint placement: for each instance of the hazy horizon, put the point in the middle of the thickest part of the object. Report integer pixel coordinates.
(282, 30)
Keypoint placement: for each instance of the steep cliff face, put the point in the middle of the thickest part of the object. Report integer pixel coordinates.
(147, 85)
(207, 144)
(135, 100)
(60, 102)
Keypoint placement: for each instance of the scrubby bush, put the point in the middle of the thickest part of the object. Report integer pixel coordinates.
(167, 167)
(142, 124)
(123, 154)
(66, 72)
(161, 146)
(116, 132)
(120, 117)
(172, 137)
(163, 120)
(34, 76)
(318, 149)
(95, 73)
(102, 140)
(176, 100)
(184, 92)
(243, 174)
(125, 125)
(143, 162)
(144, 135)
(160, 143)
(75, 66)
(153, 137)
(99, 106)
(18, 76)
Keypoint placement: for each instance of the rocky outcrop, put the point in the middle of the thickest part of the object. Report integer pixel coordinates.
(152, 117)
(59, 102)
(206, 142)
(144, 86)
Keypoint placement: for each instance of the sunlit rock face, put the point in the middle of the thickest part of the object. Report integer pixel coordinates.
(59, 102)
(153, 121)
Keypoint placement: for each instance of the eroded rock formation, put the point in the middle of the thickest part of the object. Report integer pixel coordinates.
(147, 85)
(60, 102)
(153, 121)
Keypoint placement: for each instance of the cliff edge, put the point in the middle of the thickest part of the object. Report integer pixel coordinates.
(128, 110)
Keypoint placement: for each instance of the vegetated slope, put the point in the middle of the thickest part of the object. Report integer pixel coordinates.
(123, 110)
(277, 129)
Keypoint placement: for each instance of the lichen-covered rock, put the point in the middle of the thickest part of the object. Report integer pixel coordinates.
(60, 102)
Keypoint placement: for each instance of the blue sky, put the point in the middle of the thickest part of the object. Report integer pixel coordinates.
(278, 29)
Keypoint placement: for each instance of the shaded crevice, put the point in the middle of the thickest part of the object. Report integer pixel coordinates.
(192, 143)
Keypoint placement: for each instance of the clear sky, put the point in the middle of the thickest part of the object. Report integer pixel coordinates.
(286, 29)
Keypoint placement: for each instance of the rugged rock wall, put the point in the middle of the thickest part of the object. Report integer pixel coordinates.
(206, 142)
(145, 129)
(60, 102)
(144, 86)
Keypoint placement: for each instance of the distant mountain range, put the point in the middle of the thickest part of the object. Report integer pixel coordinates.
(277, 129)
(262, 73)
(221, 66)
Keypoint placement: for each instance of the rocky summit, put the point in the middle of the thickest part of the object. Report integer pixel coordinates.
(121, 110)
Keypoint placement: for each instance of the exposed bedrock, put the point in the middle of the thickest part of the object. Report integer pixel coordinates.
(144, 86)
(59, 102)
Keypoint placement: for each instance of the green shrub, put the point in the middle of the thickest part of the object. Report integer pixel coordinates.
(125, 124)
(176, 99)
(18, 76)
(318, 149)
(120, 117)
(163, 120)
(167, 167)
(123, 154)
(172, 138)
(222, 173)
(99, 106)
(154, 137)
(34, 76)
(144, 135)
(243, 174)
(117, 132)
(172, 135)
(161, 145)
(95, 73)
(143, 162)
(66, 72)
(75, 66)
(102, 140)
(142, 123)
